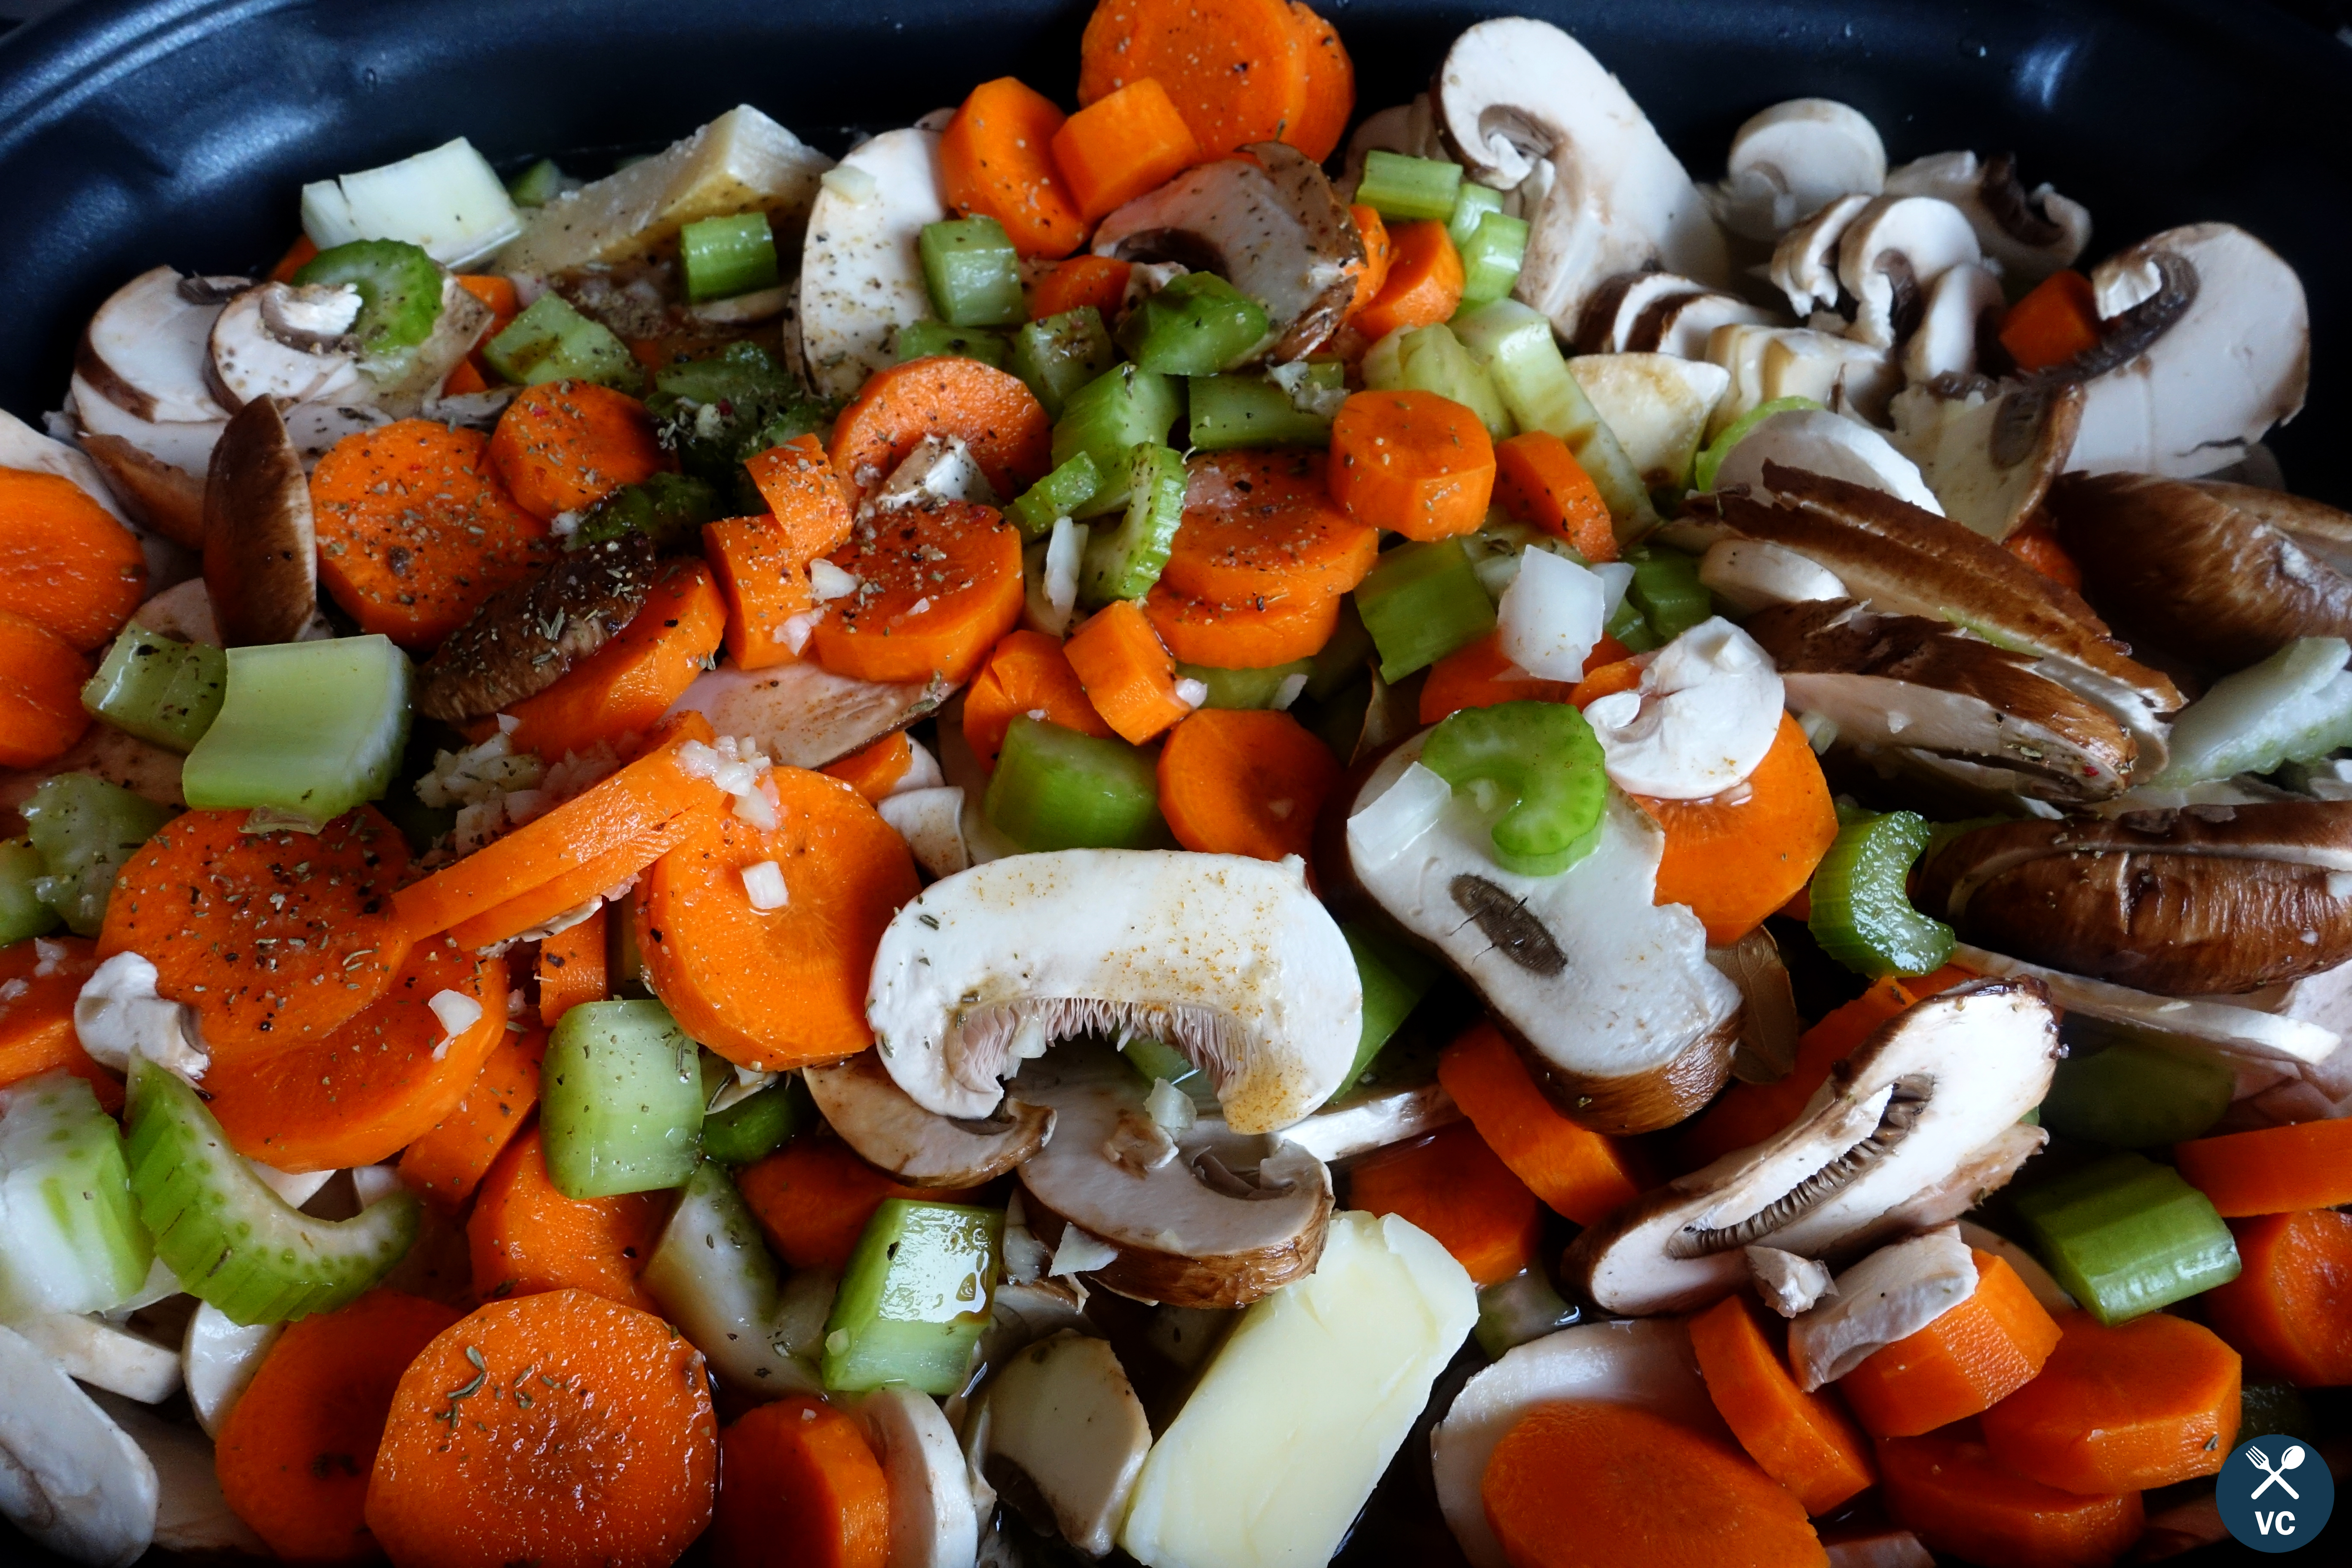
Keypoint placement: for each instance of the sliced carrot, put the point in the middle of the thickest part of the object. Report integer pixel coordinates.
(782, 987)
(1539, 483)
(2038, 547)
(799, 1488)
(765, 587)
(1804, 1441)
(65, 563)
(1950, 1491)
(1379, 254)
(1330, 85)
(273, 938)
(625, 687)
(496, 292)
(525, 1237)
(2289, 1311)
(1456, 1188)
(562, 1431)
(1736, 859)
(1027, 672)
(1600, 681)
(805, 496)
(1245, 781)
(565, 444)
(1966, 1362)
(41, 678)
(572, 968)
(1423, 286)
(449, 1162)
(1480, 676)
(936, 587)
(875, 770)
(1243, 633)
(1122, 145)
(592, 879)
(465, 378)
(2144, 1404)
(1264, 525)
(996, 159)
(296, 1449)
(1082, 281)
(1234, 68)
(2057, 318)
(1581, 1173)
(2274, 1170)
(415, 529)
(991, 412)
(1583, 1484)
(38, 983)
(813, 1196)
(1127, 671)
(297, 255)
(1412, 462)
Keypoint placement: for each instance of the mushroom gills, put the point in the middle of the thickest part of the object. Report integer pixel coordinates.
(2031, 234)
(874, 1116)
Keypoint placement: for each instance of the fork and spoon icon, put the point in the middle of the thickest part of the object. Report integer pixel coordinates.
(2292, 1456)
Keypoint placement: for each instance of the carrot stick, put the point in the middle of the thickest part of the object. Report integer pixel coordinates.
(295, 1450)
(273, 938)
(1452, 1186)
(2273, 1171)
(1379, 254)
(1423, 286)
(1473, 677)
(1583, 1175)
(1970, 1358)
(572, 968)
(1738, 858)
(765, 588)
(1097, 280)
(781, 987)
(2039, 548)
(1804, 1441)
(38, 981)
(1245, 781)
(937, 585)
(1127, 672)
(565, 444)
(1027, 672)
(813, 1196)
(1539, 483)
(525, 1237)
(41, 678)
(297, 255)
(551, 902)
(625, 687)
(1330, 85)
(1233, 69)
(415, 529)
(1262, 525)
(65, 563)
(449, 1162)
(361, 1094)
(1121, 145)
(1412, 462)
(2056, 320)
(561, 1430)
(2289, 1311)
(799, 1485)
(996, 159)
(875, 770)
(991, 412)
(1583, 1484)
(2144, 1404)
(1246, 633)
(805, 496)
(1949, 1489)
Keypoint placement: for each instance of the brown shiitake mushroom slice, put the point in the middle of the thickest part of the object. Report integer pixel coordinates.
(157, 496)
(261, 551)
(522, 639)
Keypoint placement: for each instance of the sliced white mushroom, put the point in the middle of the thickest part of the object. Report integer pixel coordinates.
(1989, 452)
(1768, 363)
(1964, 307)
(289, 341)
(1066, 1437)
(1656, 405)
(804, 716)
(184, 611)
(191, 1514)
(1891, 253)
(143, 353)
(1820, 442)
(1890, 1295)
(1372, 1116)
(932, 822)
(1748, 575)
(861, 277)
(876, 1117)
(148, 491)
(2223, 1028)
(1700, 720)
(932, 1521)
(1791, 159)
(183, 444)
(1684, 325)
(1788, 1283)
(2030, 1268)
(261, 551)
(1628, 306)
(2029, 234)
(1805, 264)
(104, 1354)
(69, 1478)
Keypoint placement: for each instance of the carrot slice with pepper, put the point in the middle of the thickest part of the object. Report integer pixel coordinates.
(65, 563)
(1262, 524)
(1234, 68)
(2274, 1170)
(572, 968)
(563, 446)
(2038, 547)
(765, 587)
(1948, 1490)
(1581, 1173)
(1412, 462)
(1245, 781)
(1247, 634)
(2144, 1404)
(629, 683)
(449, 1162)
(41, 678)
(1480, 675)
(1379, 252)
(1097, 280)
(1027, 672)
(2057, 318)
(992, 412)
(813, 1196)
(781, 987)
(561, 1430)
(1456, 1188)
(1736, 859)
(1804, 1441)
(525, 1237)
(297, 1448)
(592, 879)
(1539, 483)
(1330, 85)
(875, 770)
(800, 1486)
(2289, 1311)
(1122, 145)
(1423, 285)
(38, 983)
(273, 938)
(996, 159)
(805, 496)
(936, 587)
(1970, 1358)
(1126, 672)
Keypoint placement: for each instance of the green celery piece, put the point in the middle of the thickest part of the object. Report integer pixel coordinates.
(1667, 590)
(713, 1276)
(925, 340)
(1249, 410)
(1383, 364)
(1631, 627)
(724, 256)
(1247, 688)
(1710, 458)
(668, 508)
(1862, 913)
(537, 185)
(619, 1101)
(399, 288)
(1197, 325)
(157, 688)
(1542, 763)
(549, 341)
(1058, 495)
(1399, 187)
(914, 1298)
(1514, 340)
(1343, 659)
(973, 271)
(2295, 706)
(720, 412)
(1160, 1062)
(1124, 561)
(230, 1239)
(2136, 1095)
(759, 1125)
(22, 912)
(1422, 601)
(1491, 259)
(71, 1240)
(1395, 978)
(1105, 419)
(1058, 355)
(309, 728)
(1471, 203)
(86, 830)
(1523, 1308)
(1432, 359)
(2126, 1236)
(1056, 789)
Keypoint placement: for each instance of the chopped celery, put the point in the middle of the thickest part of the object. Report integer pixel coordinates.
(1059, 354)
(1056, 789)
(1197, 325)
(2126, 1236)
(1432, 359)
(1862, 913)
(1277, 686)
(756, 1125)
(537, 185)
(973, 272)
(1252, 410)
(620, 1100)
(668, 508)
(1630, 626)
(1420, 602)
(718, 413)
(1491, 259)
(230, 1240)
(1124, 561)
(725, 257)
(399, 288)
(1343, 659)
(158, 687)
(1523, 1308)
(713, 1276)
(552, 341)
(1058, 495)
(1107, 418)
(914, 1298)
(1667, 590)
(1515, 343)
(2295, 706)
(2136, 1095)
(86, 830)
(1710, 459)
(1394, 978)
(1471, 203)
(923, 339)
(22, 913)
(1340, 722)
(1541, 765)
(70, 1240)
(1396, 186)
(311, 728)
(1383, 366)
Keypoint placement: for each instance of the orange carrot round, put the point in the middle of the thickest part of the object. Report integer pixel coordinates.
(1804, 1441)
(630, 682)
(1967, 1360)
(525, 1236)
(1245, 781)
(1380, 253)
(65, 563)
(765, 586)
(565, 444)
(2289, 1311)
(1452, 1185)
(1242, 634)
(1412, 462)
(1581, 1173)
(996, 159)
(1948, 1490)
(2038, 547)
(561, 1430)
(875, 770)
(1262, 524)
(2144, 1404)
(936, 587)
(813, 1196)
(572, 968)
(1127, 672)
(295, 1451)
(41, 678)
(2272, 1170)
(1423, 286)
(2057, 318)
(1121, 147)
(1026, 672)
(807, 499)
(1097, 280)
(1475, 677)
(1234, 68)
(1601, 680)
(449, 1162)
(1736, 859)
(1330, 85)
(992, 412)
(38, 983)
(801, 1489)
(1539, 483)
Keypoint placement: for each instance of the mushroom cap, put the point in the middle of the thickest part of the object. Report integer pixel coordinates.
(1990, 451)
(523, 638)
(861, 273)
(144, 348)
(874, 1116)
(1616, 311)
(2031, 234)
(1891, 253)
(1791, 159)
(1964, 307)
(261, 551)
(1063, 1416)
(1820, 442)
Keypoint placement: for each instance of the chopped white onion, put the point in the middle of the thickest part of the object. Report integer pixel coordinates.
(764, 884)
(456, 1013)
(851, 183)
(1062, 553)
(1082, 1254)
(448, 200)
(828, 582)
(1191, 693)
(1171, 1106)
(1404, 811)
(1551, 615)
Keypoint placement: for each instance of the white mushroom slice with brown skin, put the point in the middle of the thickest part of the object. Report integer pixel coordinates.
(1649, 1364)
(1964, 309)
(1912, 1105)
(217, 1361)
(1066, 1438)
(1372, 1116)
(1518, 99)
(932, 822)
(1843, 373)
(288, 341)
(1684, 325)
(1891, 254)
(261, 551)
(1890, 1295)
(1657, 406)
(1788, 1284)
(191, 1514)
(1821, 442)
(804, 716)
(69, 1478)
(143, 353)
(932, 1521)
(2029, 234)
(1768, 1023)
(183, 444)
(1989, 451)
(104, 1355)
(152, 493)
(1805, 263)
(1748, 575)
(1793, 159)
(861, 276)
(1614, 311)
(874, 1116)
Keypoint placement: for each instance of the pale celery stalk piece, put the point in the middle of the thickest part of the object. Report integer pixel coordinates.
(2293, 706)
(1432, 359)
(1514, 341)
(713, 1276)
(85, 829)
(70, 1240)
(448, 200)
(312, 729)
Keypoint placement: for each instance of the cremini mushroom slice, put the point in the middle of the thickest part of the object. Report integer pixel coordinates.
(1820, 442)
(143, 351)
(1890, 1295)
(876, 1117)
(1912, 1105)
(522, 639)
(157, 496)
(104, 1354)
(1372, 1116)
(861, 277)
(1615, 312)
(1990, 451)
(1684, 325)
(1768, 1021)
(933, 1523)
(1891, 254)
(1748, 575)
(1768, 363)
(2319, 528)
(69, 1478)
(2031, 234)
(288, 341)
(1963, 311)
(805, 716)
(1789, 161)
(1066, 1437)
(1987, 1170)
(1804, 262)
(261, 552)
(184, 443)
